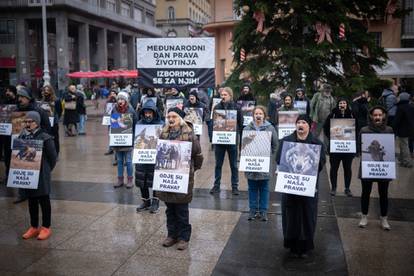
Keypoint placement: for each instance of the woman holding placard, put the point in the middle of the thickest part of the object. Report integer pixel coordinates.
(299, 212)
(258, 182)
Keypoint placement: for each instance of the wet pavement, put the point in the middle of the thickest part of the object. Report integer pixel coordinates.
(96, 230)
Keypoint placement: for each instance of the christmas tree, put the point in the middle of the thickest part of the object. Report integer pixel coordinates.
(295, 43)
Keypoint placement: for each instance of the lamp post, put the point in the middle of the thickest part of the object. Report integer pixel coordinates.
(46, 76)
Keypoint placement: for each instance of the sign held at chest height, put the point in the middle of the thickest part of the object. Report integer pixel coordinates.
(178, 62)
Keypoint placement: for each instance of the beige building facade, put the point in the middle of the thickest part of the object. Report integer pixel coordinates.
(182, 18)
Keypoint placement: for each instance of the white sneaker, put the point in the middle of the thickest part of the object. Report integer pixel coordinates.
(363, 222)
(384, 223)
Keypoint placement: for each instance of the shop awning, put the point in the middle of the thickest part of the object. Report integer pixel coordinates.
(104, 74)
(6, 62)
(400, 63)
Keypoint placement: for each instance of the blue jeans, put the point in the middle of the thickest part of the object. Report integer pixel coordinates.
(220, 151)
(124, 157)
(258, 195)
(81, 124)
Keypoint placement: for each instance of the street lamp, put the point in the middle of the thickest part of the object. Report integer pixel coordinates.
(46, 76)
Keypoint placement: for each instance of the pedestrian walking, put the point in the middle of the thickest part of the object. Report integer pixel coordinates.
(73, 101)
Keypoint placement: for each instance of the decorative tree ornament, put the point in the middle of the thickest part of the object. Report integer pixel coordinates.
(323, 32)
(365, 51)
(260, 18)
(245, 9)
(242, 55)
(342, 31)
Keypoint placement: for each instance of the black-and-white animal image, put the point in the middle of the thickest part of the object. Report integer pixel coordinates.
(246, 140)
(300, 158)
(27, 154)
(376, 151)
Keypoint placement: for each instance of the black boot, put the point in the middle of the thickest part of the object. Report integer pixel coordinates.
(146, 203)
(155, 204)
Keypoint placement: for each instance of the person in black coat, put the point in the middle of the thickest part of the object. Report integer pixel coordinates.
(342, 111)
(73, 103)
(52, 105)
(360, 108)
(299, 213)
(39, 196)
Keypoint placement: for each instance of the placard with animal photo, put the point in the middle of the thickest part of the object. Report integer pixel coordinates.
(49, 110)
(25, 163)
(170, 103)
(224, 126)
(215, 102)
(145, 99)
(255, 151)
(145, 145)
(172, 166)
(121, 130)
(246, 108)
(287, 123)
(195, 116)
(106, 119)
(17, 119)
(6, 118)
(301, 106)
(342, 134)
(298, 169)
(378, 156)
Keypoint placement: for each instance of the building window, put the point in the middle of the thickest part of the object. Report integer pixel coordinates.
(111, 5)
(125, 9)
(171, 13)
(377, 38)
(149, 19)
(171, 33)
(7, 31)
(138, 15)
(408, 20)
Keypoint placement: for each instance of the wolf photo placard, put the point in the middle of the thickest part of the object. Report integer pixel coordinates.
(25, 163)
(246, 108)
(121, 130)
(145, 145)
(298, 169)
(255, 151)
(224, 126)
(172, 166)
(343, 136)
(378, 155)
(301, 106)
(287, 123)
(195, 116)
(6, 118)
(215, 102)
(106, 119)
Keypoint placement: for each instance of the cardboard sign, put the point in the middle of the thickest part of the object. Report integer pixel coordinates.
(6, 111)
(121, 130)
(25, 163)
(301, 106)
(255, 151)
(195, 116)
(106, 119)
(172, 166)
(342, 133)
(145, 145)
(378, 156)
(246, 108)
(215, 102)
(298, 169)
(224, 127)
(287, 123)
(180, 62)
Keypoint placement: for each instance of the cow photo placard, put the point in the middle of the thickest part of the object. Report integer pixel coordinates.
(172, 166)
(224, 126)
(298, 169)
(145, 145)
(6, 111)
(25, 164)
(106, 119)
(287, 123)
(246, 108)
(301, 106)
(255, 151)
(378, 156)
(343, 136)
(121, 130)
(195, 116)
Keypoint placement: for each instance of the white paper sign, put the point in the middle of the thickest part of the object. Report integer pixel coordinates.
(378, 156)
(106, 120)
(301, 106)
(5, 129)
(285, 131)
(224, 137)
(117, 140)
(342, 133)
(255, 151)
(51, 121)
(172, 166)
(298, 169)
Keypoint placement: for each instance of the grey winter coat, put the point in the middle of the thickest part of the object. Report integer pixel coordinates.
(266, 126)
(390, 101)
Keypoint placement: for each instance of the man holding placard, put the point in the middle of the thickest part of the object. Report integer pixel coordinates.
(300, 158)
(339, 127)
(377, 162)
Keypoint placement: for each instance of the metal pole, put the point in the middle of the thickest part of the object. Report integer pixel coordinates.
(46, 76)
